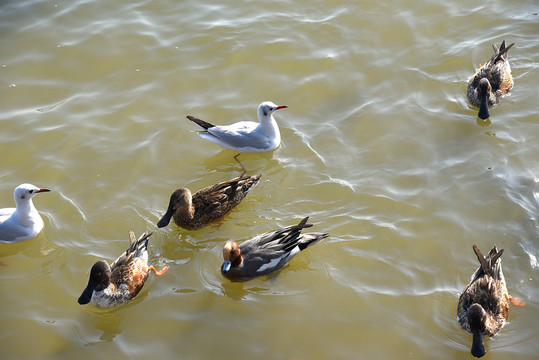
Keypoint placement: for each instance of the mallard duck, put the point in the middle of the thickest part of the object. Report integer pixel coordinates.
(267, 252)
(483, 306)
(22, 222)
(194, 211)
(491, 81)
(121, 281)
(245, 136)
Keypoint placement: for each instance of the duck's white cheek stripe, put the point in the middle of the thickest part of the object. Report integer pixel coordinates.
(273, 263)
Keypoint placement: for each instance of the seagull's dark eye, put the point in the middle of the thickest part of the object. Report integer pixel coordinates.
(31, 191)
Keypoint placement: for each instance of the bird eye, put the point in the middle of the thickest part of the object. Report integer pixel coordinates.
(31, 191)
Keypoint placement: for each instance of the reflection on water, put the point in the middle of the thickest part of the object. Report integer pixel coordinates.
(379, 147)
(484, 122)
(235, 291)
(109, 324)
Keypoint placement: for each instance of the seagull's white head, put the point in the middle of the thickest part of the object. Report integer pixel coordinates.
(25, 192)
(267, 108)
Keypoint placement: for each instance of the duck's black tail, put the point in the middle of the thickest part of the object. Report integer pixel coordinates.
(489, 263)
(499, 53)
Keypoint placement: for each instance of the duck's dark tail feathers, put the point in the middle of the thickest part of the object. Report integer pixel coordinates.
(140, 245)
(136, 248)
(499, 53)
(203, 124)
(488, 263)
(291, 236)
(302, 225)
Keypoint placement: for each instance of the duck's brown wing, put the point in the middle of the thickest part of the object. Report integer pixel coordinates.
(485, 269)
(130, 270)
(136, 249)
(491, 295)
(497, 69)
(487, 288)
(214, 202)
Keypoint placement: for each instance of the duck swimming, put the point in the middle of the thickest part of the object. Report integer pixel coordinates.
(491, 81)
(116, 284)
(22, 222)
(194, 211)
(245, 136)
(483, 306)
(267, 252)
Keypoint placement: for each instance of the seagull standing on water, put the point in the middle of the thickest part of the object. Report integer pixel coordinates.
(23, 222)
(245, 136)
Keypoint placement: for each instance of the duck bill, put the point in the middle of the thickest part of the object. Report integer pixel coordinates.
(226, 266)
(483, 109)
(86, 295)
(478, 349)
(165, 220)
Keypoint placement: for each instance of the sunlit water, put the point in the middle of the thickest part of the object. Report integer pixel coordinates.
(379, 147)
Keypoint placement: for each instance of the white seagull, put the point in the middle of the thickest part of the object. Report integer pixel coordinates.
(23, 222)
(245, 136)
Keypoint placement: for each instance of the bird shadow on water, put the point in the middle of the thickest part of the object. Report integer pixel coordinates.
(238, 291)
(483, 122)
(224, 161)
(108, 321)
(242, 290)
(34, 248)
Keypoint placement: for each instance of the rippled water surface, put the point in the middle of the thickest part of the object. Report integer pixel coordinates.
(380, 148)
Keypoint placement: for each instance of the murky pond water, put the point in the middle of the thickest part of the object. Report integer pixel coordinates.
(379, 147)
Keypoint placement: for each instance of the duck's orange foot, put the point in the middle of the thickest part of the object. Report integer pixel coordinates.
(159, 273)
(516, 301)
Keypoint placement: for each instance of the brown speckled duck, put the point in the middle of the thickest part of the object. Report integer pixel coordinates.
(483, 306)
(116, 284)
(491, 81)
(194, 211)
